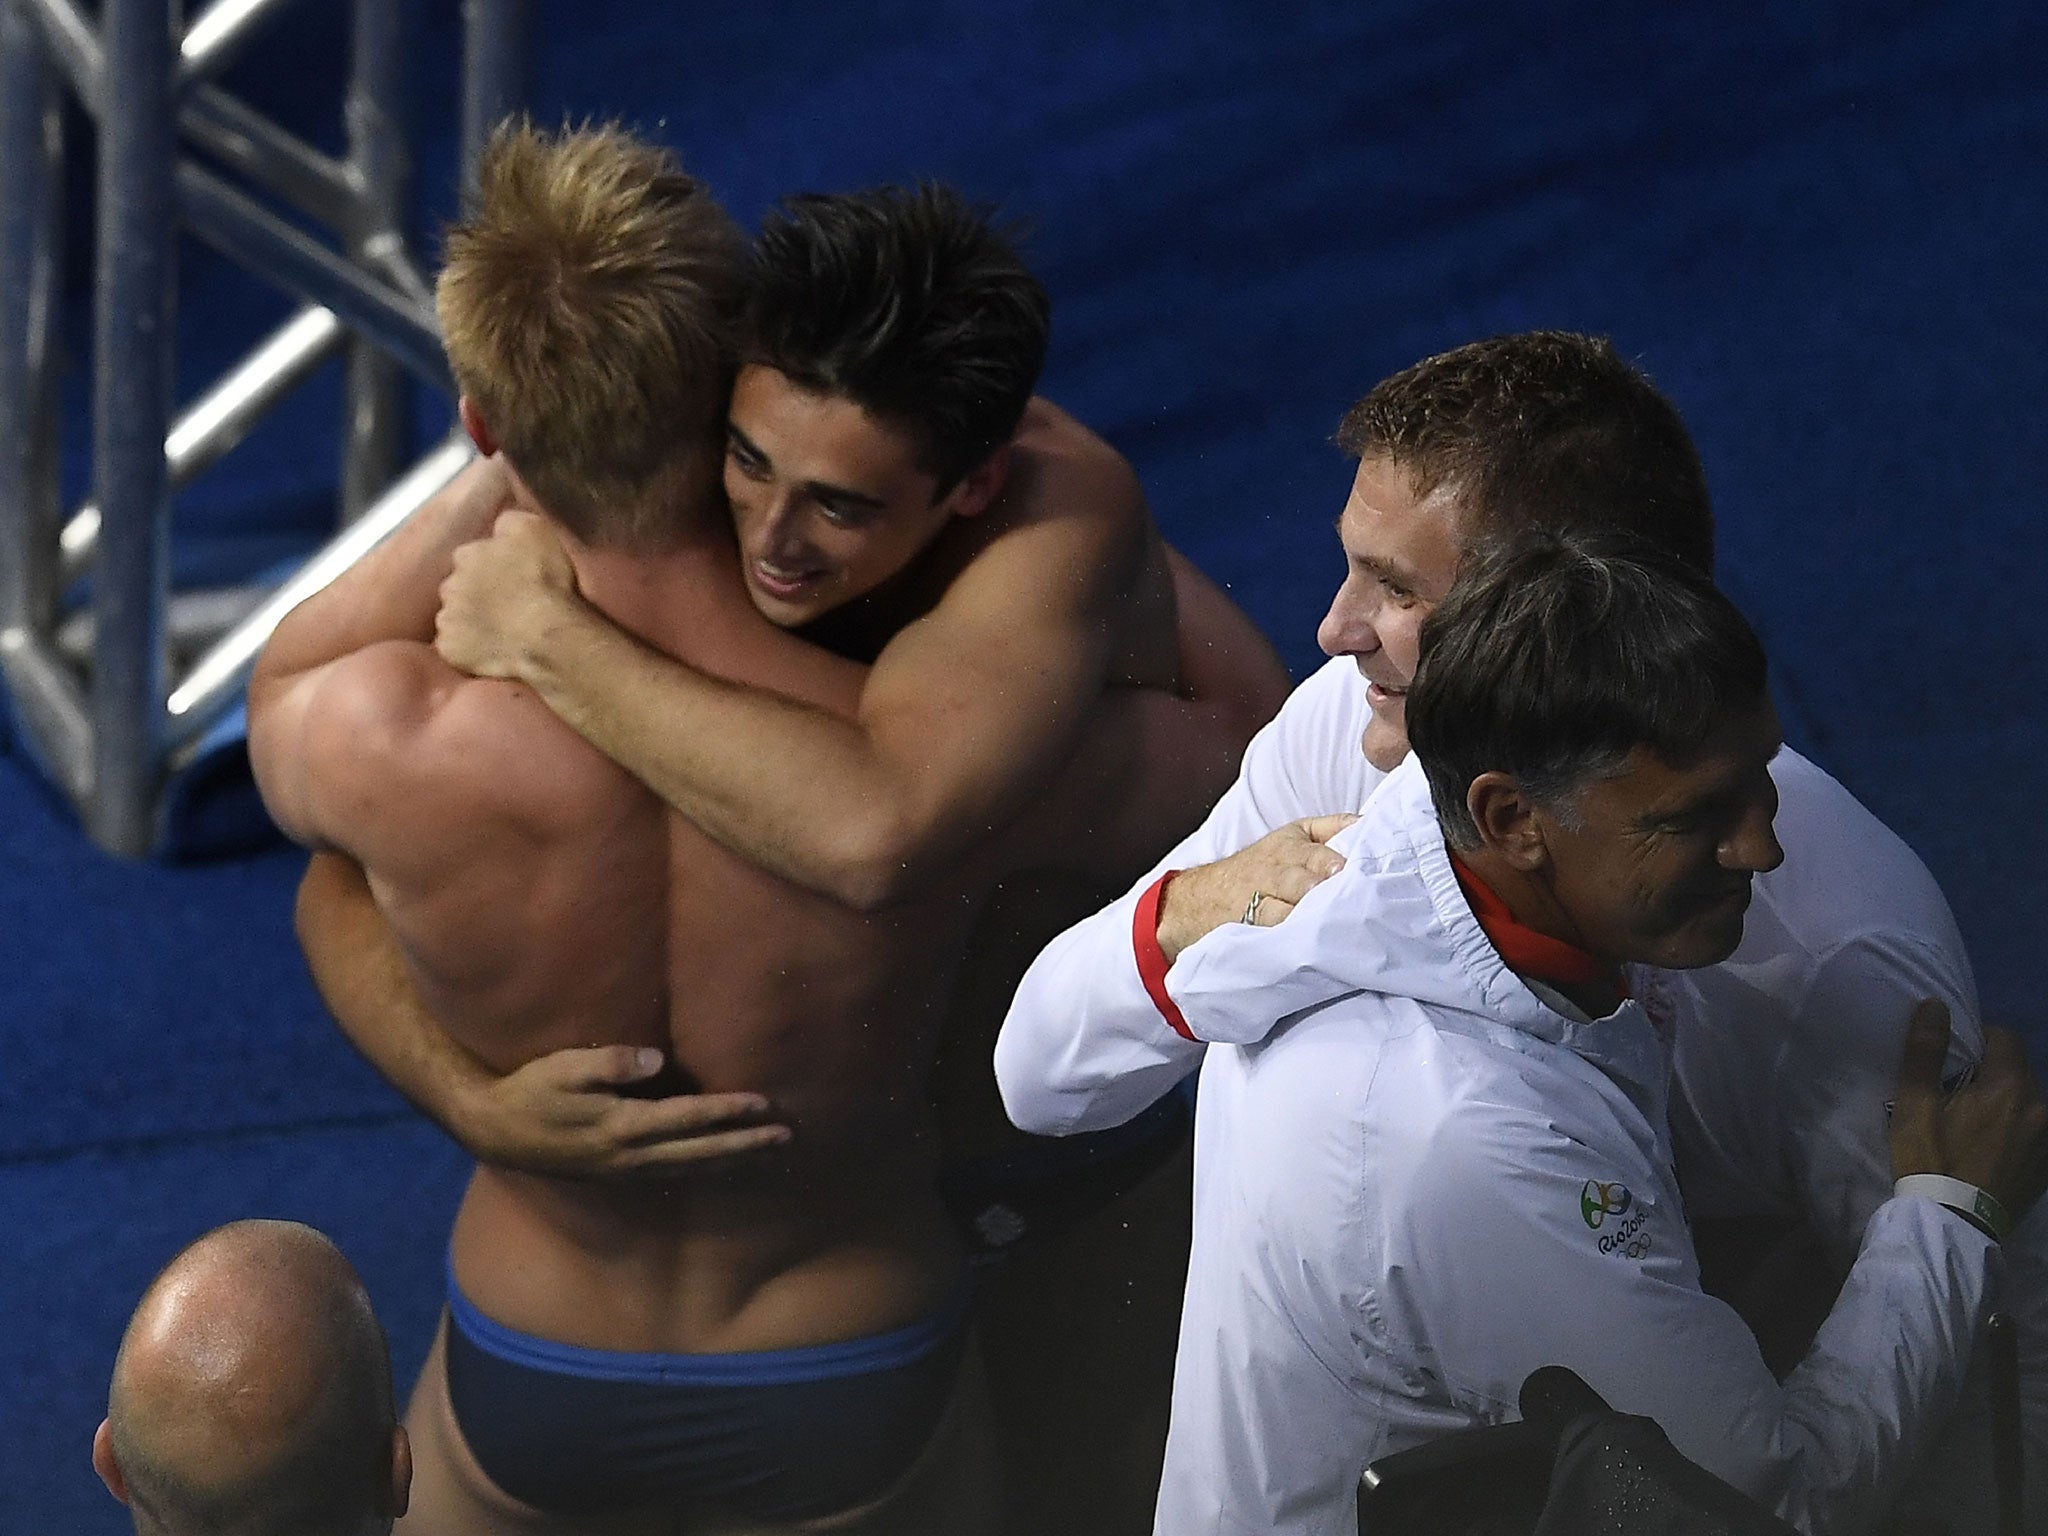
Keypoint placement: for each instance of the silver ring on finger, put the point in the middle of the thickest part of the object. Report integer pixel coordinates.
(1251, 908)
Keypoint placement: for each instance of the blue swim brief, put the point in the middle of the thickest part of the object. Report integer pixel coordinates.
(774, 1435)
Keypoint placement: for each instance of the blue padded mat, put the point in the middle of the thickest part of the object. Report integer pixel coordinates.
(1818, 226)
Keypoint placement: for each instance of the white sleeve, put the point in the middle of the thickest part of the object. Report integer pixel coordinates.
(1519, 1279)
(1840, 1070)
(1083, 1046)
(1841, 1067)
(1237, 983)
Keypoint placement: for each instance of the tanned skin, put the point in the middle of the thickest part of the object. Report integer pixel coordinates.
(539, 898)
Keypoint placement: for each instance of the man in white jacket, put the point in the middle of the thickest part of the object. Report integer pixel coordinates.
(1779, 1100)
(1410, 1197)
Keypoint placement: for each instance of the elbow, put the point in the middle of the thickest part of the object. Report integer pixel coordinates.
(875, 863)
(1033, 1052)
(1025, 1099)
(1239, 706)
(1034, 1113)
(866, 890)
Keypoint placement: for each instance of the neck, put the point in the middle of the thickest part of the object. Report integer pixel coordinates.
(1534, 935)
(686, 503)
(660, 593)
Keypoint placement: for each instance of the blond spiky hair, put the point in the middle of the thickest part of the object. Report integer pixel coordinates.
(586, 305)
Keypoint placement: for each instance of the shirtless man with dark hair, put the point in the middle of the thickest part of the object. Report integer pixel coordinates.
(777, 1342)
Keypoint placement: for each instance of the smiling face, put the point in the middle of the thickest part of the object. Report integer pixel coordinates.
(1401, 556)
(828, 501)
(1655, 864)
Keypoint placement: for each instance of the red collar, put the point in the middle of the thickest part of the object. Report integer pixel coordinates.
(1525, 951)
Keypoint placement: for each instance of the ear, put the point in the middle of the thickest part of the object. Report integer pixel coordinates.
(1507, 821)
(981, 484)
(401, 1471)
(474, 424)
(103, 1461)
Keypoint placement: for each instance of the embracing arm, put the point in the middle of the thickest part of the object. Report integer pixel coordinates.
(967, 710)
(1501, 1226)
(560, 1114)
(1525, 1284)
(386, 770)
(1153, 761)
(361, 976)
(1086, 1043)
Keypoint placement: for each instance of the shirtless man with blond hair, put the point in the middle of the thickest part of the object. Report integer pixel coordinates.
(776, 1342)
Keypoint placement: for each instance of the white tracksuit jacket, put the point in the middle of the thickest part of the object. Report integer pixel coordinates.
(1785, 1053)
(1409, 1198)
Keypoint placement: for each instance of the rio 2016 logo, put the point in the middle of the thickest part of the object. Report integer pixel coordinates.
(1599, 1201)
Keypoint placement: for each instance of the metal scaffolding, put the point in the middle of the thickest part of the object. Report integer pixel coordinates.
(106, 697)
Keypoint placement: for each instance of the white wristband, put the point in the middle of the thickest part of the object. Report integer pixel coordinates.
(1966, 1200)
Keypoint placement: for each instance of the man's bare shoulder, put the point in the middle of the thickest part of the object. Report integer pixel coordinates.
(419, 759)
(1067, 539)
(1062, 468)
(1050, 429)
(1070, 518)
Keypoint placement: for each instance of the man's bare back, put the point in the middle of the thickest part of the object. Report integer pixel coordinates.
(898, 793)
(545, 899)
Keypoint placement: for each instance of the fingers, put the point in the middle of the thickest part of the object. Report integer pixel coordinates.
(1290, 860)
(1991, 1132)
(669, 1156)
(1320, 863)
(663, 1135)
(639, 1121)
(1272, 911)
(596, 1066)
(2005, 1054)
(1280, 868)
(1320, 829)
(1926, 1049)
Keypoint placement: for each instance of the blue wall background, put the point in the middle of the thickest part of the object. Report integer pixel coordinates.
(1818, 226)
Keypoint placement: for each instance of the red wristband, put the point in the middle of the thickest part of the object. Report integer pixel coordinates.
(1152, 961)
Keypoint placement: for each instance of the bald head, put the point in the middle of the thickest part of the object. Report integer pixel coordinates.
(252, 1394)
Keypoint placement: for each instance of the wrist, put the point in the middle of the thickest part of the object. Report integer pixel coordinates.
(560, 646)
(1153, 962)
(1176, 928)
(1979, 1207)
(469, 1111)
(554, 635)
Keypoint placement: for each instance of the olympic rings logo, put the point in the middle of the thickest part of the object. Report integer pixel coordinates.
(1599, 1201)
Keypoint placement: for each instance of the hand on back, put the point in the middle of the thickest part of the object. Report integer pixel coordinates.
(1991, 1133)
(569, 1114)
(505, 592)
(1259, 884)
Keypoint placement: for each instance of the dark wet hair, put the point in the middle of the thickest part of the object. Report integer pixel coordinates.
(909, 302)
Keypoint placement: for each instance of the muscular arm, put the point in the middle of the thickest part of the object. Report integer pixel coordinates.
(1153, 761)
(964, 714)
(389, 595)
(361, 976)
